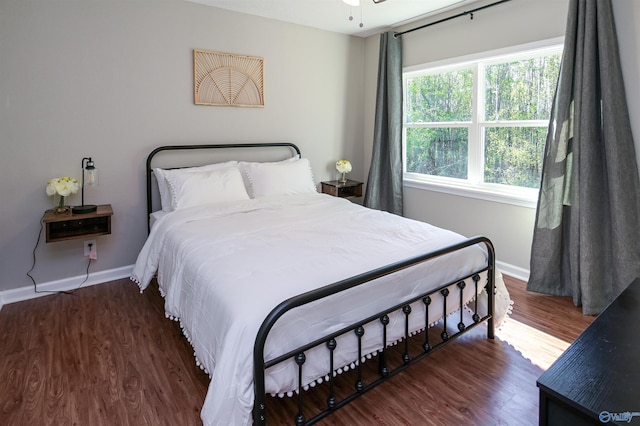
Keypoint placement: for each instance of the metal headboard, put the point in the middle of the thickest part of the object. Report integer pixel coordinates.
(149, 170)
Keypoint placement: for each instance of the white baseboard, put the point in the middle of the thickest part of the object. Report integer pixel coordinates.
(66, 284)
(514, 271)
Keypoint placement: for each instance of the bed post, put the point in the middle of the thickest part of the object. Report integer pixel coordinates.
(491, 288)
(259, 405)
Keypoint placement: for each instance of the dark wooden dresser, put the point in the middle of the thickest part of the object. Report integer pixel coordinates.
(597, 379)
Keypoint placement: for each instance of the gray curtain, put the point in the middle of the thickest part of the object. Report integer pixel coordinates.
(586, 242)
(384, 184)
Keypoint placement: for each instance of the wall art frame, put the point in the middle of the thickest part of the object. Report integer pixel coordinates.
(225, 79)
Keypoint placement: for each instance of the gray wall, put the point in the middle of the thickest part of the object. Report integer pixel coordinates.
(627, 16)
(513, 23)
(113, 79)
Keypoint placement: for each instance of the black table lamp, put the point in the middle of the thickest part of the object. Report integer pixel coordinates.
(89, 178)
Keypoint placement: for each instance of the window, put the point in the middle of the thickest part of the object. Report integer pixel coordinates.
(479, 126)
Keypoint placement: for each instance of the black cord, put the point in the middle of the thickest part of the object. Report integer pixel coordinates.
(83, 281)
(33, 266)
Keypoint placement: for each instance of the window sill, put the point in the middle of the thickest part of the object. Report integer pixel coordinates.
(521, 197)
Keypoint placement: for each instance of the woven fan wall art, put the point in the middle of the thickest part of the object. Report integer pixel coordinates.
(226, 79)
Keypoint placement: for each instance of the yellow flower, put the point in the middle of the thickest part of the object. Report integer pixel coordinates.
(343, 166)
(63, 186)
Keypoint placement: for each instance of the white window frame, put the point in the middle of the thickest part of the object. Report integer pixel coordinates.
(474, 186)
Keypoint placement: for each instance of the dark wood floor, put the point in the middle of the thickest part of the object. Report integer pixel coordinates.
(106, 355)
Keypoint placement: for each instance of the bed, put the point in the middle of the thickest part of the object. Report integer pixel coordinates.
(280, 289)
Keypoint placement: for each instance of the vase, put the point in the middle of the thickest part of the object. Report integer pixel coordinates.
(343, 178)
(59, 206)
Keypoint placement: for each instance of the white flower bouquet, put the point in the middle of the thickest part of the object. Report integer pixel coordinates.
(62, 187)
(344, 167)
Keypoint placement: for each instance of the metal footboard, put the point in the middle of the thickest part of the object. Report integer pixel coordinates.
(384, 370)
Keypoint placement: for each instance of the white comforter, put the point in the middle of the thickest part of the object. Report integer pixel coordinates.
(223, 268)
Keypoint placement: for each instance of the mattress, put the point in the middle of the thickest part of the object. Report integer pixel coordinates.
(223, 267)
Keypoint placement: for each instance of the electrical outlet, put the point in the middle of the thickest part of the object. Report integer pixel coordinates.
(91, 249)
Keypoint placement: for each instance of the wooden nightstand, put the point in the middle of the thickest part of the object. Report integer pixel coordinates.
(61, 227)
(350, 188)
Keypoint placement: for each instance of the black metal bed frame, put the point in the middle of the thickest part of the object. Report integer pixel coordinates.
(358, 328)
(384, 372)
(149, 169)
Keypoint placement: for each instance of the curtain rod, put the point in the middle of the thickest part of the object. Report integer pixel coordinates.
(468, 12)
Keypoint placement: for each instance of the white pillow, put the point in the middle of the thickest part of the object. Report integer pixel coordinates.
(283, 178)
(189, 189)
(166, 198)
(242, 165)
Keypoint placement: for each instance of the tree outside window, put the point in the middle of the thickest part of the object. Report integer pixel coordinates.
(482, 122)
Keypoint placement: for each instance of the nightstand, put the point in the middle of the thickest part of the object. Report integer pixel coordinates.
(350, 188)
(62, 227)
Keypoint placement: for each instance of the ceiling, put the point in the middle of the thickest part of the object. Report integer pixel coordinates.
(333, 15)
